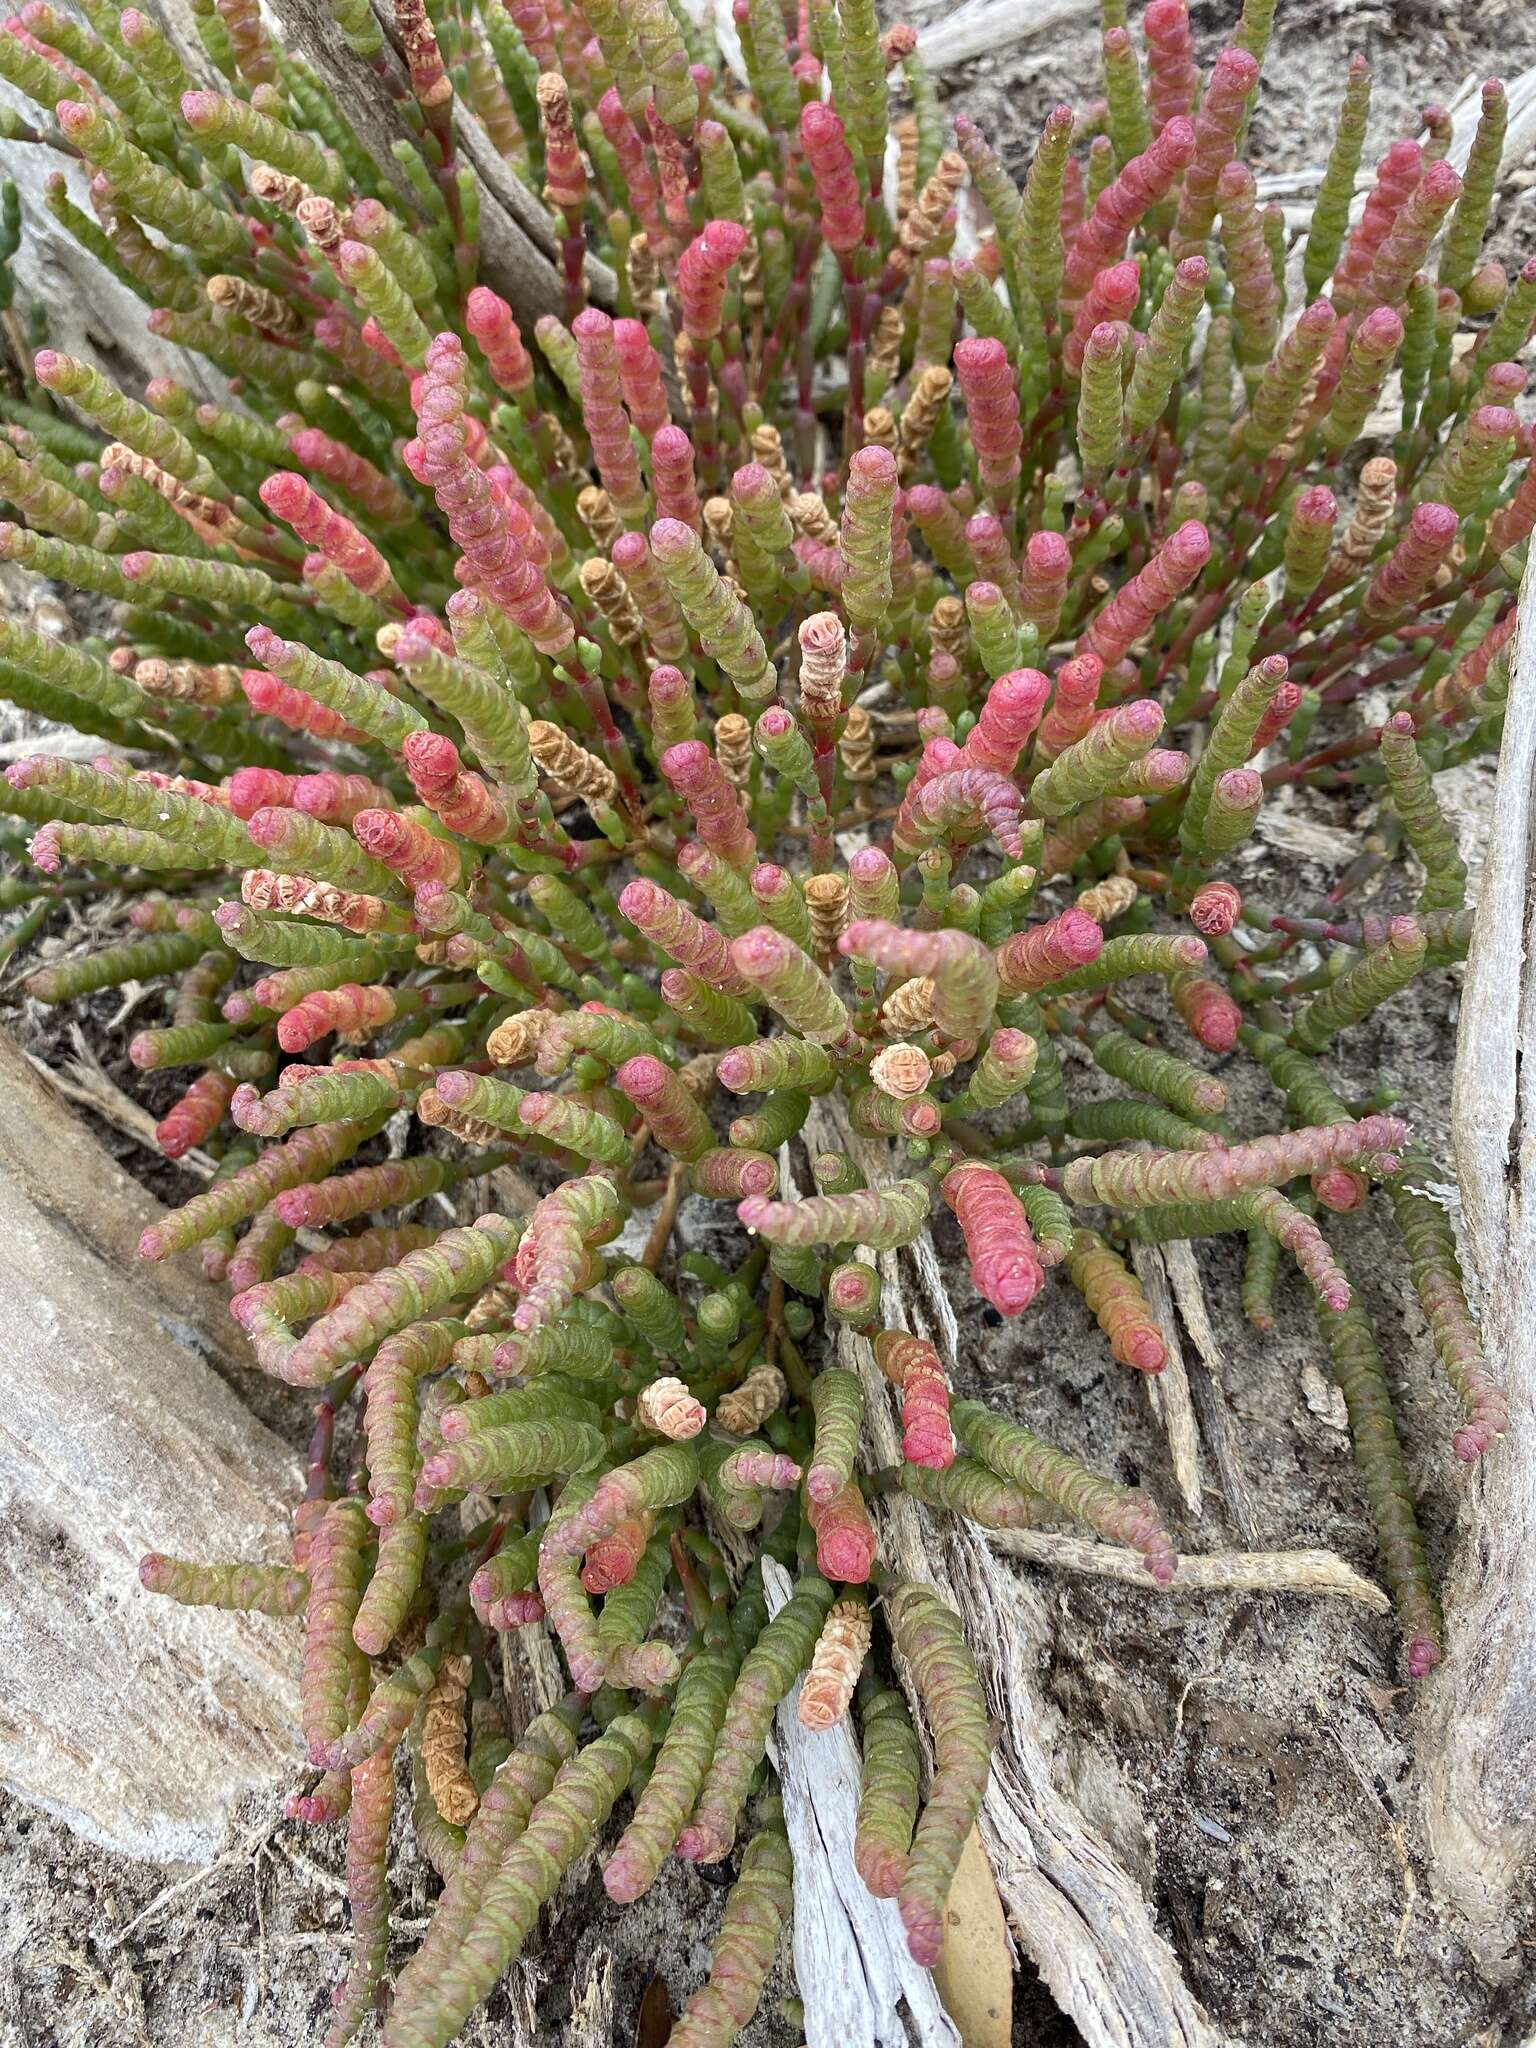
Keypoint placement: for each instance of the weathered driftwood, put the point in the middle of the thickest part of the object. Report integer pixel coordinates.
(90, 314)
(1168, 1394)
(138, 1722)
(1319, 1572)
(1206, 1376)
(980, 27)
(851, 1960)
(1073, 1907)
(1481, 1710)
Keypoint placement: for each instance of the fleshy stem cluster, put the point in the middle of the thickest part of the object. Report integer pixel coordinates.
(816, 671)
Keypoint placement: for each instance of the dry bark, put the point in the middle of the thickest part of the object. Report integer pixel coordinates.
(1318, 1572)
(1169, 1392)
(1481, 1758)
(1206, 1383)
(851, 1962)
(138, 1722)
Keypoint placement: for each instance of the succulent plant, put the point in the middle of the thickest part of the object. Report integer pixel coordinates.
(840, 661)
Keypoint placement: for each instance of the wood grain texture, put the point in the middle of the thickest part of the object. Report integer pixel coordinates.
(851, 1962)
(1481, 1709)
(136, 1721)
(1168, 1391)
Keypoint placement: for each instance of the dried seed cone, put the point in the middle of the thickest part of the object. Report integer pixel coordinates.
(443, 1730)
(826, 899)
(748, 1406)
(901, 1071)
(828, 1687)
(667, 1408)
(857, 746)
(733, 748)
(909, 1007)
(560, 758)
(1109, 899)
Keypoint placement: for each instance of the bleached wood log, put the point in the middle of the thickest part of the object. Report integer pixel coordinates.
(981, 27)
(138, 1722)
(1481, 1708)
(1305, 1572)
(851, 1961)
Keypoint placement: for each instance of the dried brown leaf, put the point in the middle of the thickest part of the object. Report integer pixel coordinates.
(656, 2016)
(974, 1974)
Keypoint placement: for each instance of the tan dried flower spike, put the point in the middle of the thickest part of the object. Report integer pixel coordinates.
(885, 343)
(768, 449)
(720, 522)
(910, 1007)
(515, 1041)
(839, 1657)
(276, 188)
(243, 299)
(811, 519)
(303, 896)
(442, 1743)
(1375, 502)
(759, 1394)
(608, 591)
(492, 1308)
(823, 666)
(187, 682)
(948, 629)
(323, 221)
(559, 756)
(826, 899)
(857, 746)
(926, 219)
(594, 508)
(920, 414)
(1108, 899)
(733, 748)
(458, 1123)
(644, 275)
(211, 520)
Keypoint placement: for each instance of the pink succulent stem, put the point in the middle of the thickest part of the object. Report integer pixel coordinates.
(1005, 1264)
